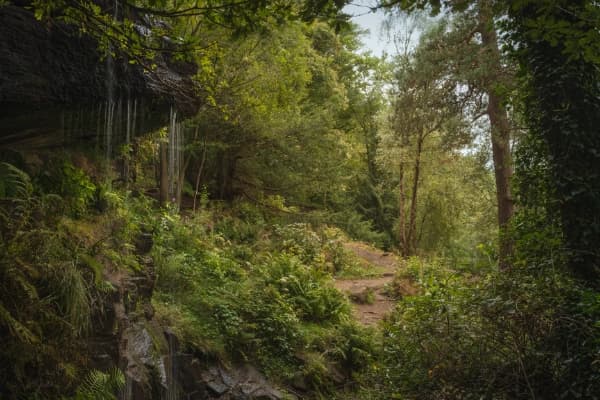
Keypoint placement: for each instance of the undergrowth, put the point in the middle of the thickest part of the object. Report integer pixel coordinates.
(238, 285)
(273, 305)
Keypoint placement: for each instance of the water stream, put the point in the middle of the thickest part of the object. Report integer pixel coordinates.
(171, 393)
(176, 145)
(126, 392)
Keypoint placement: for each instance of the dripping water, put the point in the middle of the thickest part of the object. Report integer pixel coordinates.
(171, 167)
(110, 101)
(130, 122)
(109, 120)
(176, 145)
(126, 392)
(99, 129)
(133, 121)
(172, 371)
(62, 126)
(128, 125)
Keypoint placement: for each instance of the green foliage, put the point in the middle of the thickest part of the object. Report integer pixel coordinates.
(296, 123)
(503, 336)
(359, 228)
(299, 240)
(62, 178)
(98, 385)
(556, 54)
(274, 305)
(45, 295)
(307, 289)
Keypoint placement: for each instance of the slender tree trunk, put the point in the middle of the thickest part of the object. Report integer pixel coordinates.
(503, 174)
(199, 173)
(500, 135)
(402, 214)
(411, 240)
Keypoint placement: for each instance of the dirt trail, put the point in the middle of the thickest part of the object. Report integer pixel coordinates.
(370, 302)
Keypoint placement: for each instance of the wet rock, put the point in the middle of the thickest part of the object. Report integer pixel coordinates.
(74, 70)
(299, 382)
(217, 388)
(216, 382)
(153, 358)
(144, 243)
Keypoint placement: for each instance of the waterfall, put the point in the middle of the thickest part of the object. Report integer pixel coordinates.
(110, 104)
(172, 371)
(99, 129)
(134, 118)
(109, 119)
(131, 119)
(126, 392)
(176, 144)
(110, 95)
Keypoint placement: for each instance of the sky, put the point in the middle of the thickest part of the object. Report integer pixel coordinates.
(376, 40)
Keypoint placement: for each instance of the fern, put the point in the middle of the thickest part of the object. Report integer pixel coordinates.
(16, 197)
(98, 385)
(15, 182)
(72, 295)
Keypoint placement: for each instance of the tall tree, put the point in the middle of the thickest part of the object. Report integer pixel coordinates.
(426, 114)
(499, 123)
(469, 49)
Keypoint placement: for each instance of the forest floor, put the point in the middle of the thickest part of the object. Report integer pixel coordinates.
(373, 297)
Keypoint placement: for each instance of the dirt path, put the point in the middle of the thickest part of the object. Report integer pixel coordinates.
(370, 302)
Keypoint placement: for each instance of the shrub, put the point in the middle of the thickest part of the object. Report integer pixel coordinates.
(61, 177)
(309, 290)
(511, 336)
(298, 239)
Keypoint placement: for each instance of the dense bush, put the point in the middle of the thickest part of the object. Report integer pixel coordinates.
(509, 335)
(46, 290)
(62, 178)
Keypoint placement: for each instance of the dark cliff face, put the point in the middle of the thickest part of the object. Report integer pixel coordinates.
(43, 63)
(49, 70)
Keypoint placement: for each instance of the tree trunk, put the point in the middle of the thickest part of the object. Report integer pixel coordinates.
(199, 173)
(412, 240)
(402, 214)
(500, 136)
(502, 172)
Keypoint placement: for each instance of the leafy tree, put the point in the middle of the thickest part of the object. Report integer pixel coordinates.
(371, 197)
(116, 25)
(468, 47)
(426, 113)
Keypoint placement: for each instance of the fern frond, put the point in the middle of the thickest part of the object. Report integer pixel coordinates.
(16, 181)
(23, 283)
(3, 216)
(16, 328)
(98, 385)
(71, 291)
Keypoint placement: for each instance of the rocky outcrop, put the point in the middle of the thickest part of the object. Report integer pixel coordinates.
(215, 382)
(49, 63)
(55, 84)
(127, 336)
